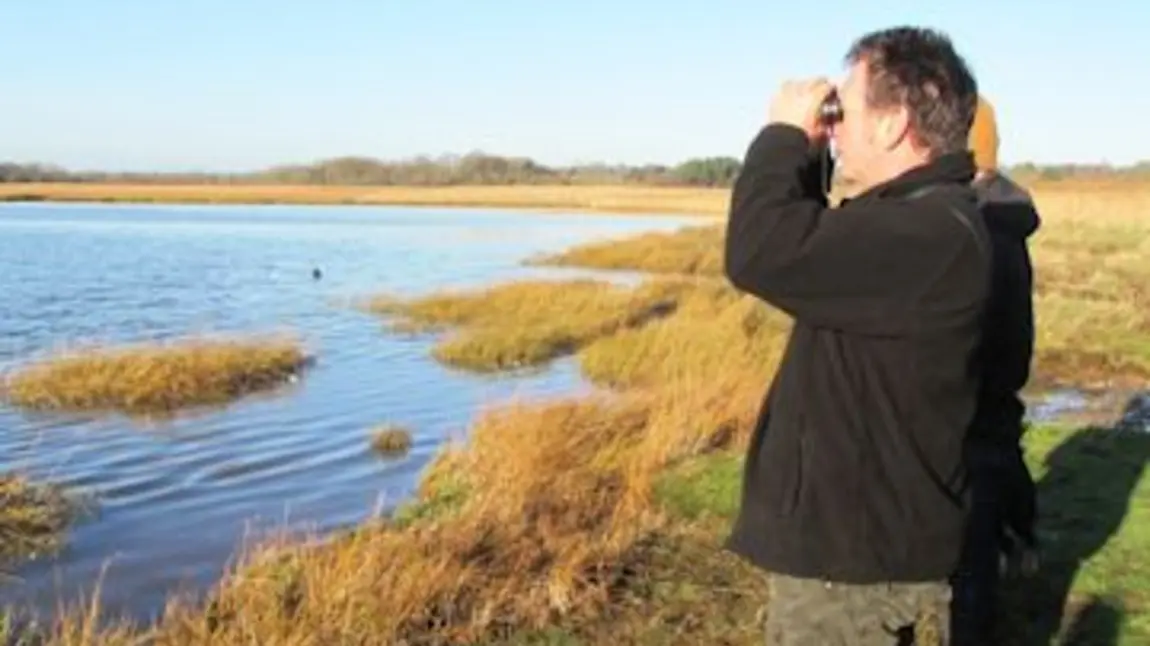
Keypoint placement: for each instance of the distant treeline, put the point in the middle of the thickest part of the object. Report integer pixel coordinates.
(476, 168)
(480, 168)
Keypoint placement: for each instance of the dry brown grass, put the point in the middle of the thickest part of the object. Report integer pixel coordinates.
(33, 518)
(546, 518)
(528, 323)
(1092, 269)
(692, 250)
(688, 251)
(715, 332)
(155, 378)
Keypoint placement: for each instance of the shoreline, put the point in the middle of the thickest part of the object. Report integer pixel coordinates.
(623, 199)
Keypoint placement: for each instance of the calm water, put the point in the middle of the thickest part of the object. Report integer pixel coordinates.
(177, 498)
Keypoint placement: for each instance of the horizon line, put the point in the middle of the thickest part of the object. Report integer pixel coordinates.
(450, 158)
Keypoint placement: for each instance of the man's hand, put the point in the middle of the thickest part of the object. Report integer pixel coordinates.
(797, 103)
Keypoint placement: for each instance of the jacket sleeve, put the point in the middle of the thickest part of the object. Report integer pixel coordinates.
(860, 267)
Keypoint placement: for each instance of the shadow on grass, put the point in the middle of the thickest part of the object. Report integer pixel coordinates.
(1093, 573)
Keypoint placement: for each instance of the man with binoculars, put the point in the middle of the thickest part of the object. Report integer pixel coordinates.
(854, 493)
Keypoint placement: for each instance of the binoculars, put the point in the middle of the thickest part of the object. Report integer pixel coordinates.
(831, 110)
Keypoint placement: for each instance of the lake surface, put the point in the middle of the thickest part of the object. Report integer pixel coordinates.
(176, 499)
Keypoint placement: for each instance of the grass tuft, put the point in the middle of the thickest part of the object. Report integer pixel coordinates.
(155, 378)
(33, 518)
(391, 440)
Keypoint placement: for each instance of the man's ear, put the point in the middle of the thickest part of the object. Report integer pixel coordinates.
(893, 127)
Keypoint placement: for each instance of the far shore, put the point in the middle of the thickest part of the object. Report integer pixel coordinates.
(630, 199)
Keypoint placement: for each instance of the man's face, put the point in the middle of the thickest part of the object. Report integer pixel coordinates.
(855, 139)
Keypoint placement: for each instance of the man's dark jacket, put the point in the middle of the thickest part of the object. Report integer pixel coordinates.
(854, 472)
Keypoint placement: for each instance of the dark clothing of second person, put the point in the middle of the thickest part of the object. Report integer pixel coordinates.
(1008, 345)
(1011, 218)
(1003, 490)
(854, 471)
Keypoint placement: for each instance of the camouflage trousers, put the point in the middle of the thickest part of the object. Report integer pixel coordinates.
(809, 612)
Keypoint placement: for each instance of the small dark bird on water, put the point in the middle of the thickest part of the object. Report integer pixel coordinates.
(316, 273)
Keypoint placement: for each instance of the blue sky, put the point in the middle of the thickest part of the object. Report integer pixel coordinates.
(242, 84)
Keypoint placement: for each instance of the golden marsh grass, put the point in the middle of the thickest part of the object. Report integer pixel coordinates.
(526, 324)
(599, 520)
(716, 332)
(156, 378)
(691, 250)
(610, 199)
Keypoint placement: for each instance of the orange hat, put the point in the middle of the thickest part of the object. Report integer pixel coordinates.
(983, 139)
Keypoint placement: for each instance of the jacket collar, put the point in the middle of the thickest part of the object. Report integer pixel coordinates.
(951, 168)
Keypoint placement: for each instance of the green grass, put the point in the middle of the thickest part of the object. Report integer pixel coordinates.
(1095, 524)
(446, 498)
(703, 489)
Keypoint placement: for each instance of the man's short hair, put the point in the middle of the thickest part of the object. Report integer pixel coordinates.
(920, 69)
